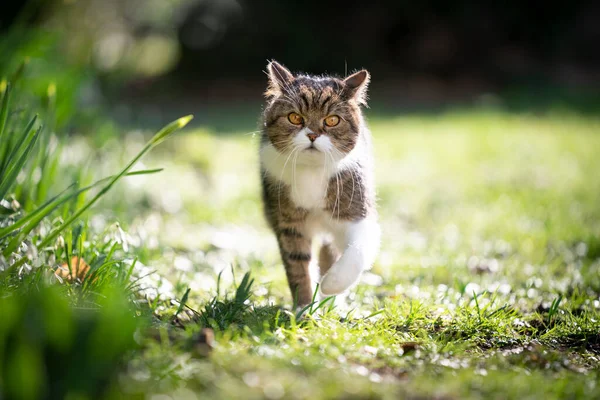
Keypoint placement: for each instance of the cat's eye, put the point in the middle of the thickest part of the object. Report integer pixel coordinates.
(295, 118)
(332, 120)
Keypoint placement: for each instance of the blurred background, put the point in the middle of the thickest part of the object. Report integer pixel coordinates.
(188, 54)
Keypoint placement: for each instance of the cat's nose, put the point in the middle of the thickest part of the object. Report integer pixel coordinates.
(312, 136)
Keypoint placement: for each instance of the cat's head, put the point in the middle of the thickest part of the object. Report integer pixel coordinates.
(315, 116)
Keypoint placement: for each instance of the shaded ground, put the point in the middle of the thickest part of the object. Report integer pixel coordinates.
(487, 285)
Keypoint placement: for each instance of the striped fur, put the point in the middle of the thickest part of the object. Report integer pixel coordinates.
(323, 188)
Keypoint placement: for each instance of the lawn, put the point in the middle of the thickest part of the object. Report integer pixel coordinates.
(487, 284)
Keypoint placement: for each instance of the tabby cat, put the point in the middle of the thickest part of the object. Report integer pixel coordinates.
(317, 178)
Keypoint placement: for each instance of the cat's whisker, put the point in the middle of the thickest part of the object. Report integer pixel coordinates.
(325, 178)
(337, 188)
(355, 164)
(294, 172)
(341, 192)
(285, 149)
(351, 194)
(281, 179)
(264, 148)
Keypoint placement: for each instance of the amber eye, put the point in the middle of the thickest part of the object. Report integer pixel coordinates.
(332, 120)
(295, 118)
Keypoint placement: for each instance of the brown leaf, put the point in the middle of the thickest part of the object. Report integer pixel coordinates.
(78, 271)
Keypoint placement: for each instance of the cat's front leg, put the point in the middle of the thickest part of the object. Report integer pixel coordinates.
(360, 243)
(295, 250)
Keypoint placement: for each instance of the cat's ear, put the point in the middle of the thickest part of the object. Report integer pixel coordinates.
(279, 78)
(356, 86)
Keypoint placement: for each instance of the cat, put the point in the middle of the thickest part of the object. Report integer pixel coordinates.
(317, 178)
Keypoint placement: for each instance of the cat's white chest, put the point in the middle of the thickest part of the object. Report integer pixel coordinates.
(307, 181)
(308, 188)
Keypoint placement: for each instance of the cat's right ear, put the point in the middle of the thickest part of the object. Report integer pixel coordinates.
(280, 79)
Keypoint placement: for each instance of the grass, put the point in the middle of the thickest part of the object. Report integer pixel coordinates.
(487, 285)
(51, 338)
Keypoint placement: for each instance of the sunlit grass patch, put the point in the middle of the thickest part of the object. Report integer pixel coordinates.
(488, 270)
(65, 289)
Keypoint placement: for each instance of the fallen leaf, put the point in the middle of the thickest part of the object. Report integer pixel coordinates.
(78, 271)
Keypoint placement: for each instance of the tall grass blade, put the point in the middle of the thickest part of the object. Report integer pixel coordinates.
(21, 142)
(244, 290)
(4, 110)
(184, 300)
(163, 134)
(30, 221)
(6, 181)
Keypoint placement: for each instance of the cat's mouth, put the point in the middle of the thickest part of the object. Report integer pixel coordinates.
(311, 148)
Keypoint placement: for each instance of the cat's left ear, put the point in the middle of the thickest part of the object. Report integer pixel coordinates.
(356, 86)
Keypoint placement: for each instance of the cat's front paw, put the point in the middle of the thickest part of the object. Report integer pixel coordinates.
(340, 277)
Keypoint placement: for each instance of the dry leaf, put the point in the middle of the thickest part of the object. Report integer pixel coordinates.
(79, 270)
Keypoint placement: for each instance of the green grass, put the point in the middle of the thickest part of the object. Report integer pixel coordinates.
(54, 327)
(487, 285)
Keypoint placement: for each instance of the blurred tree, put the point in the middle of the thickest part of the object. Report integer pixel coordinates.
(210, 40)
(496, 40)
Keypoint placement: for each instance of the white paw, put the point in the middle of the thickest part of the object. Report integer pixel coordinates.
(341, 276)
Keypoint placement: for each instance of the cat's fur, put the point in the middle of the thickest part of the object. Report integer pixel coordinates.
(325, 192)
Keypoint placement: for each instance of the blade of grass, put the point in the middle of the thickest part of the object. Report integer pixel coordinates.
(243, 292)
(374, 314)
(5, 147)
(162, 135)
(497, 311)
(21, 143)
(159, 137)
(182, 303)
(27, 218)
(322, 303)
(477, 306)
(4, 110)
(130, 270)
(11, 176)
(48, 168)
(34, 218)
(553, 311)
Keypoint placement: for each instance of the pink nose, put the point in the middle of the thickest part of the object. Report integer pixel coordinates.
(312, 136)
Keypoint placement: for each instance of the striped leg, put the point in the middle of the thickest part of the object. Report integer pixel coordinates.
(296, 255)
